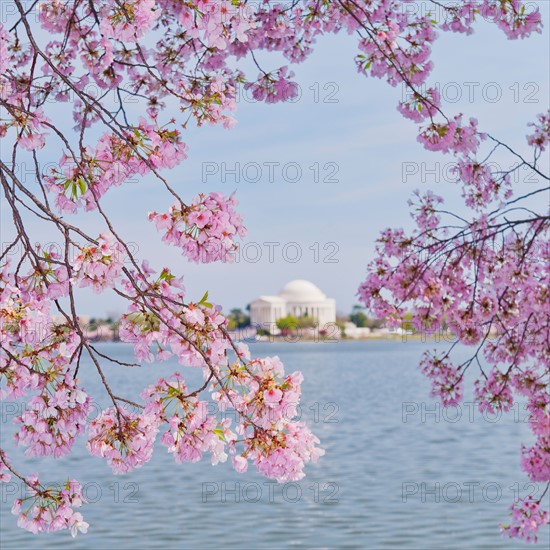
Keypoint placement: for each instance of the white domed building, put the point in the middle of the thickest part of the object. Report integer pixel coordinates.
(298, 298)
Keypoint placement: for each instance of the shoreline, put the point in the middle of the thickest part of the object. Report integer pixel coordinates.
(289, 340)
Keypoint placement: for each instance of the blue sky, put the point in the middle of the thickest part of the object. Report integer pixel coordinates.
(359, 132)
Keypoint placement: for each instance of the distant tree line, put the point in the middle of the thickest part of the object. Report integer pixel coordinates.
(238, 319)
(360, 319)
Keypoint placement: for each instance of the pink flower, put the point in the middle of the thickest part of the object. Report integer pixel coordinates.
(206, 230)
(240, 463)
(541, 136)
(527, 519)
(100, 266)
(76, 523)
(129, 22)
(53, 419)
(273, 396)
(123, 438)
(32, 141)
(50, 509)
(199, 218)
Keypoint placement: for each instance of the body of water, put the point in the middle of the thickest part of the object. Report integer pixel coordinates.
(399, 471)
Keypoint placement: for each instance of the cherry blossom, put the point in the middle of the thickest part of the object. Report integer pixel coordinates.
(46, 509)
(205, 230)
(99, 266)
(134, 76)
(527, 519)
(54, 418)
(124, 438)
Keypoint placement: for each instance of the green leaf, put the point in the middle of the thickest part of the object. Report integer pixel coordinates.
(203, 301)
(166, 275)
(82, 185)
(219, 433)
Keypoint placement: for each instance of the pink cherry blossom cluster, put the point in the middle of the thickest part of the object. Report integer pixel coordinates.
(480, 284)
(397, 45)
(541, 136)
(53, 419)
(50, 509)
(55, 15)
(192, 430)
(216, 23)
(283, 455)
(193, 332)
(205, 230)
(124, 438)
(271, 396)
(460, 18)
(273, 88)
(536, 459)
(400, 50)
(17, 308)
(452, 136)
(33, 130)
(278, 445)
(209, 101)
(193, 434)
(99, 266)
(84, 181)
(530, 385)
(18, 378)
(446, 378)
(38, 356)
(425, 212)
(35, 350)
(527, 519)
(511, 16)
(494, 393)
(480, 185)
(128, 20)
(49, 278)
(421, 106)
(5, 38)
(265, 400)
(29, 127)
